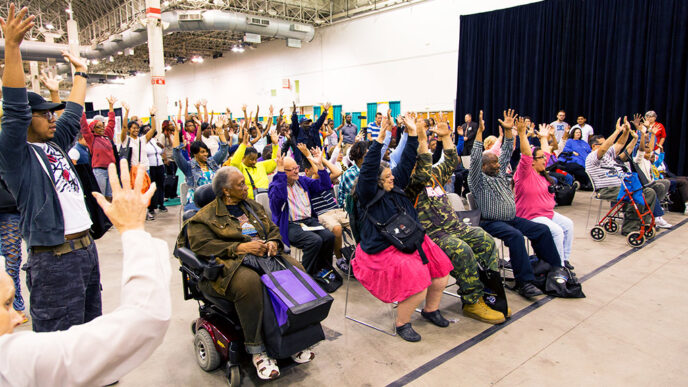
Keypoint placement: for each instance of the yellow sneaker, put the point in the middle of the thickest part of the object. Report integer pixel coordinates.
(481, 312)
(508, 312)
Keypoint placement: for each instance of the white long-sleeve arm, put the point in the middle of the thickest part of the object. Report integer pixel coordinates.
(103, 350)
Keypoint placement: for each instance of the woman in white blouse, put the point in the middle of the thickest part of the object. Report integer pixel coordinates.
(138, 143)
(156, 170)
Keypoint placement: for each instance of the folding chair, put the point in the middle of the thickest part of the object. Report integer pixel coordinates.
(392, 312)
(184, 190)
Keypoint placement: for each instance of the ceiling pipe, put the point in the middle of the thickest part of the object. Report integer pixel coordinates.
(174, 21)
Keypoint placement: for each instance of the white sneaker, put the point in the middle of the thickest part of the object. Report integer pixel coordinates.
(661, 223)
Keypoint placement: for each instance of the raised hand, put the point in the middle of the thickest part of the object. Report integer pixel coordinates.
(281, 112)
(326, 107)
(521, 126)
(271, 109)
(197, 104)
(127, 211)
(304, 149)
(293, 107)
(15, 27)
(125, 106)
(204, 102)
(509, 117)
(111, 100)
(410, 121)
(274, 137)
(316, 157)
(243, 108)
(78, 63)
(279, 159)
(442, 129)
(49, 81)
(481, 123)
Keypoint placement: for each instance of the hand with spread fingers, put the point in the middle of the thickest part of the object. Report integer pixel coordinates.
(127, 211)
(509, 117)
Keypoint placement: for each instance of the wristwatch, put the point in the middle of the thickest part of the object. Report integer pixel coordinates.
(81, 74)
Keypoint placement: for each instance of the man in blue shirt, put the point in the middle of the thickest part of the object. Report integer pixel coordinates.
(374, 128)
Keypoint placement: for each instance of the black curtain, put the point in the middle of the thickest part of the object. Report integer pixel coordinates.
(599, 58)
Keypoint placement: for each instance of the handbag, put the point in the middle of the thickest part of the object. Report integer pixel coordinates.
(564, 194)
(470, 217)
(124, 152)
(401, 230)
(255, 189)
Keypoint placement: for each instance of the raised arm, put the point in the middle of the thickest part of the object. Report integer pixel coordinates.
(445, 170)
(631, 145)
(186, 110)
(110, 126)
(523, 138)
(204, 102)
(402, 172)
(602, 150)
(154, 126)
(125, 123)
(477, 155)
(621, 140)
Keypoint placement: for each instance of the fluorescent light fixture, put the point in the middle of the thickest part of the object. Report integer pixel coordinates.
(129, 51)
(50, 26)
(197, 59)
(168, 68)
(95, 61)
(165, 3)
(111, 58)
(238, 48)
(140, 74)
(120, 53)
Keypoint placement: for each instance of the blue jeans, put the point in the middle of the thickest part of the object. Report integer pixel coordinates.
(11, 249)
(64, 290)
(512, 233)
(103, 180)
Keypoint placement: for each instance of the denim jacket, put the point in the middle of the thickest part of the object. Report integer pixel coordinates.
(192, 171)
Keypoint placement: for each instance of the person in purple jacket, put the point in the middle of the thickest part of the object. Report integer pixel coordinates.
(291, 209)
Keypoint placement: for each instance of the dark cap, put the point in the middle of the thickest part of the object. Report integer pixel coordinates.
(304, 119)
(39, 103)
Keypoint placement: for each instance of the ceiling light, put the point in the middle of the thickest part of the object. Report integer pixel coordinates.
(168, 68)
(219, 3)
(33, 38)
(120, 52)
(49, 26)
(95, 61)
(58, 77)
(111, 58)
(272, 12)
(140, 74)
(165, 3)
(197, 59)
(238, 48)
(69, 10)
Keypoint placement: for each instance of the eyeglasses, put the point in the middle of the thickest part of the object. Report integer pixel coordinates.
(292, 169)
(538, 157)
(47, 115)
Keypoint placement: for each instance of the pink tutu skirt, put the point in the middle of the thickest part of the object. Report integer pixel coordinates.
(392, 275)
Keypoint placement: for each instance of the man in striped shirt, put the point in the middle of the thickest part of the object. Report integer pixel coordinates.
(491, 188)
(374, 127)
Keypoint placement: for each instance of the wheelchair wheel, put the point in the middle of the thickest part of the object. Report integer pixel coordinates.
(634, 239)
(611, 227)
(598, 234)
(234, 378)
(206, 354)
(650, 233)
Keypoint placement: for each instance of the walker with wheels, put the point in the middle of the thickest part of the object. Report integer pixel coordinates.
(608, 224)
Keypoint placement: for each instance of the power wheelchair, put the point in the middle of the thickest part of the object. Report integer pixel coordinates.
(218, 337)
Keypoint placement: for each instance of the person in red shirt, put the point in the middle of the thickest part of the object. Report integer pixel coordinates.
(656, 128)
(98, 138)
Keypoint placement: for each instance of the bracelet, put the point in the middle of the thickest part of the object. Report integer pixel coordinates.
(81, 74)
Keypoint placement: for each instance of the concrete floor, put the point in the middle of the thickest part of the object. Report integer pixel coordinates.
(630, 330)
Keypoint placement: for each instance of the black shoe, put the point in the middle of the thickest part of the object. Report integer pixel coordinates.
(528, 290)
(407, 333)
(150, 215)
(568, 265)
(163, 209)
(435, 318)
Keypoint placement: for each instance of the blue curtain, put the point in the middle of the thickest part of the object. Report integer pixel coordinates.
(356, 120)
(337, 113)
(602, 59)
(395, 107)
(372, 110)
(316, 112)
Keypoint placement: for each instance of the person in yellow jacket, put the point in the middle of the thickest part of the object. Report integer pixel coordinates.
(246, 160)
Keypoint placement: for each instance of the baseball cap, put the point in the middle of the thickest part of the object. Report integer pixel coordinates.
(304, 119)
(38, 103)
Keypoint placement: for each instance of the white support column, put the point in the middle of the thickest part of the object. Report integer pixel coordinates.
(73, 38)
(156, 59)
(35, 83)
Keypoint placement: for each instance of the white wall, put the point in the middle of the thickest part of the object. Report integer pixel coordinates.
(408, 54)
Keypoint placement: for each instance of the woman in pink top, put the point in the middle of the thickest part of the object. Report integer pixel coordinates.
(533, 199)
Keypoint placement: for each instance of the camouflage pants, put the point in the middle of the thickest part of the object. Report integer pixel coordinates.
(468, 248)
